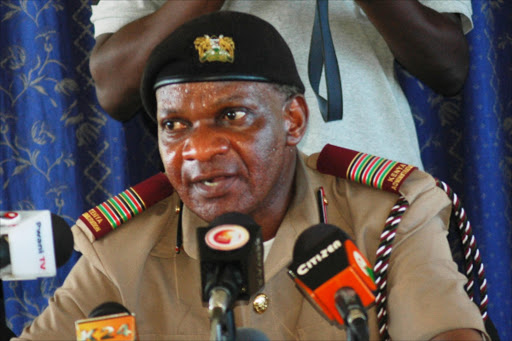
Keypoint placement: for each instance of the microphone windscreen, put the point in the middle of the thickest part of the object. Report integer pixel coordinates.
(108, 308)
(5, 257)
(311, 238)
(62, 240)
(232, 241)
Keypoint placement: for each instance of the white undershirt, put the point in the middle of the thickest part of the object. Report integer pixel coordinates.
(266, 247)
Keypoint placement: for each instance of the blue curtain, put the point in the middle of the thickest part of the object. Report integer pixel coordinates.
(466, 141)
(60, 151)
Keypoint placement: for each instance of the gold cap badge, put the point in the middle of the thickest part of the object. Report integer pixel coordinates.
(215, 49)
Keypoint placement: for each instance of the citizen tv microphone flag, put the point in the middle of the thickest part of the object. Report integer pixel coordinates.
(231, 256)
(33, 244)
(108, 321)
(325, 260)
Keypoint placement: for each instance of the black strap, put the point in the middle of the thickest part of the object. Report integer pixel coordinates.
(179, 230)
(332, 107)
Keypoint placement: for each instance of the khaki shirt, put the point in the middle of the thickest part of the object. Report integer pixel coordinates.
(137, 266)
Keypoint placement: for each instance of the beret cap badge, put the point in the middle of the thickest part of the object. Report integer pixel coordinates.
(215, 49)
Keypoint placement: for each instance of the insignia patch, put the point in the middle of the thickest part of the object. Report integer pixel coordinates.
(117, 210)
(367, 169)
(215, 49)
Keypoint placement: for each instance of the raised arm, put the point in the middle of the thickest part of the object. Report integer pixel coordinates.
(117, 59)
(429, 44)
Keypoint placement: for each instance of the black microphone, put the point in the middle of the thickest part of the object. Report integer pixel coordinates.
(33, 244)
(335, 277)
(108, 308)
(231, 265)
(62, 240)
(109, 320)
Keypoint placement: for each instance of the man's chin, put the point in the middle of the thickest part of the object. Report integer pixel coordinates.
(209, 212)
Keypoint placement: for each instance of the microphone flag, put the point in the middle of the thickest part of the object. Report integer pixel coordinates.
(108, 321)
(326, 260)
(33, 244)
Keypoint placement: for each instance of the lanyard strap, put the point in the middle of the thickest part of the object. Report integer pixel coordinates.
(332, 107)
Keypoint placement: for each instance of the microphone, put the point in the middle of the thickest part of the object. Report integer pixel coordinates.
(231, 265)
(33, 244)
(109, 320)
(335, 277)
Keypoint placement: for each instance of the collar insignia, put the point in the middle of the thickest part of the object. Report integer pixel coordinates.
(215, 49)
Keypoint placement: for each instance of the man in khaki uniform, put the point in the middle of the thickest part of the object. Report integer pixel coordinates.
(230, 110)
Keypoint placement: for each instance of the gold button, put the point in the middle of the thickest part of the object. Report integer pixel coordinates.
(325, 201)
(177, 209)
(260, 303)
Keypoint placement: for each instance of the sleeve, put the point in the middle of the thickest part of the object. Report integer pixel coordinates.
(83, 290)
(462, 7)
(425, 289)
(108, 16)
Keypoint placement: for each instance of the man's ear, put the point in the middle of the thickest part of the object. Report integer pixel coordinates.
(296, 119)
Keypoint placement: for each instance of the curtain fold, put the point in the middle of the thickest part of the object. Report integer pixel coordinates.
(60, 151)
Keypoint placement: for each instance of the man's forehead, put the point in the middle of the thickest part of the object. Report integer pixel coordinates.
(215, 95)
(214, 89)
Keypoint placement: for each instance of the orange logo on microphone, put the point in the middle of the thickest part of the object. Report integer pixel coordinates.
(116, 327)
(227, 237)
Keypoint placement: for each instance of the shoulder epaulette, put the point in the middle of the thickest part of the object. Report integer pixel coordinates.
(370, 170)
(117, 210)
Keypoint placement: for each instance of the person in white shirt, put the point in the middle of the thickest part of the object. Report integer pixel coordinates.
(426, 37)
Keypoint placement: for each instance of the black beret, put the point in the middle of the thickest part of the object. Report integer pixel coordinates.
(220, 46)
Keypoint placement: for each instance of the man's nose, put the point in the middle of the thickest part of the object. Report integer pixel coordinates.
(205, 143)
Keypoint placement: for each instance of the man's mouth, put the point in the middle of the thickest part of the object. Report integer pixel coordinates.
(211, 182)
(214, 186)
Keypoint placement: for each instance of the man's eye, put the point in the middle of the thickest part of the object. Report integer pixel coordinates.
(234, 115)
(174, 125)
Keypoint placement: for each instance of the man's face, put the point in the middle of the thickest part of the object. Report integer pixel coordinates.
(226, 146)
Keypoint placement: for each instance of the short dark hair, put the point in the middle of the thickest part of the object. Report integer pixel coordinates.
(287, 90)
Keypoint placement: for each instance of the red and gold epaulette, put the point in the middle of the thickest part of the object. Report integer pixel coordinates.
(364, 168)
(117, 210)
